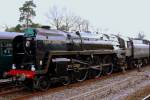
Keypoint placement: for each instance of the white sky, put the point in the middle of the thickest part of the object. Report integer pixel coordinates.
(126, 17)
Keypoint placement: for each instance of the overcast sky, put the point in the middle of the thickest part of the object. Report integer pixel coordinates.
(127, 17)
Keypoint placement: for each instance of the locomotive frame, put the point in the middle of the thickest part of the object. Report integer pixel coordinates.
(43, 57)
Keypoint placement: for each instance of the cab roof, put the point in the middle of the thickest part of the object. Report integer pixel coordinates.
(9, 35)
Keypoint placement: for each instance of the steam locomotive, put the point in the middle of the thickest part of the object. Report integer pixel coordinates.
(44, 56)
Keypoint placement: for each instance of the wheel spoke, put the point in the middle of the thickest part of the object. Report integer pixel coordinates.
(43, 83)
(81, 75)
(108, 69)
(96, 71)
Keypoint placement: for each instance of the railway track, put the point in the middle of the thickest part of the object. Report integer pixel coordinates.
(146, 98)
(27, 94)
(105, 91)
(24, 94)
(4, 81)
(3, 84)
(10, 90)
(96, 87)
(141, 93)
(7, 87)
(102, 87)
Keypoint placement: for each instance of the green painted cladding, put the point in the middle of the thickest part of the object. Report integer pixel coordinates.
(5, 55)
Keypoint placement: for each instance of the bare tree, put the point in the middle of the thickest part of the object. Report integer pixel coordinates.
(82, 24)
(85, 25)
(69, 19)
(78, 23)
(141, 35)
(55, 17)
(65, 20)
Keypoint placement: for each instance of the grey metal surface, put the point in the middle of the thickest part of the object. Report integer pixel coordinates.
(9, 35)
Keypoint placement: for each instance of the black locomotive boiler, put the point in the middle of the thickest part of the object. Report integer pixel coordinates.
(43, 56)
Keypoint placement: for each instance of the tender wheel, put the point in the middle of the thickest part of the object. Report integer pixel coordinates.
(139, 66)
(108, 69)
(81, 73)
(43, 83)
(145, 62)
